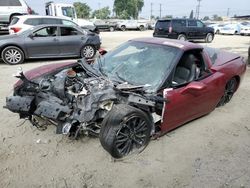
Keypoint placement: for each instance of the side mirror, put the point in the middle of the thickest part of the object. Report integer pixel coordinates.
(193, 88)
(31, 35)
(102, 51)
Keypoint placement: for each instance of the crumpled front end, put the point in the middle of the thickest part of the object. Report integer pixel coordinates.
(73, 98)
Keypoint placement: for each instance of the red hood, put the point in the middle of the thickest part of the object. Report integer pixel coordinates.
(45, 69)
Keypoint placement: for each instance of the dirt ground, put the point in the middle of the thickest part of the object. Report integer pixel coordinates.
(210, 152)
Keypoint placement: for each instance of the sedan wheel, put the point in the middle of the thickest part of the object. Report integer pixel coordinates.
(111, 29)
(182, 37)
(12, 55)
(126, 130)
(88, 51)
(229, 92)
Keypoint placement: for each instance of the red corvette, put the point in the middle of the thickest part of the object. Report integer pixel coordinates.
(144, 87)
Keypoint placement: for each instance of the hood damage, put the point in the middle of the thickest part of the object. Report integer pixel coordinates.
(77, 98)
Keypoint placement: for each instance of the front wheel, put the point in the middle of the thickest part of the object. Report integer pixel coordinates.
(209, 38)
(142, 28)
(12, 55)
(88, 51)
(125, 130)
(111, 29)
(182, 37)
(230, 88)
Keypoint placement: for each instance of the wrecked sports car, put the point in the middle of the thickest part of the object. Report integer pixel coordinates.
(142, 89)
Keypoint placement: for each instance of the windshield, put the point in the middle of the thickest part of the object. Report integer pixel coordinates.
(139, 63)
(68, 11)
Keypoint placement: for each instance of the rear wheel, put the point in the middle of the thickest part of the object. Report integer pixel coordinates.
(182, 37)
(12, 55)
(123, 28)
(209, 38)
(88, 51)
(125, 130)
(229, 92)
(142, 28)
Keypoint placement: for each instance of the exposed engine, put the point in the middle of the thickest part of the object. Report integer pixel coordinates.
(75, 100)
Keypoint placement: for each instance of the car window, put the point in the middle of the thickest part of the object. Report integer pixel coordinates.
(10, 3)
(46, 32)
(179, 23)
(33, 21)
(192, 23)
(14, 20)
(69, 31)
(200, 24)
(50, 21)
(68, 11)
(68, 22)
(163, 24)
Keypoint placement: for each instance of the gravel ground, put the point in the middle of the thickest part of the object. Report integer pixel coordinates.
(212, 151)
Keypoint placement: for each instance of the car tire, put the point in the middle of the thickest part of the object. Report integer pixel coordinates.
(123, 28)
(142, 28)
(229, 91)
(111, 29)
(12, 55)
(125, 130)
(209, 38)
(182, 37)
(88, 51)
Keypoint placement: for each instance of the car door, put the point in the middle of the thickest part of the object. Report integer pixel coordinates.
(201, 30)
(42, 42)
(192, 99)
(192, 32)
(71, 41)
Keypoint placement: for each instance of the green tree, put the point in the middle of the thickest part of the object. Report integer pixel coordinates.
(206, 18)
(191, 16)
(217, 18)
(102, 13)
(82, 10)
(128, 8)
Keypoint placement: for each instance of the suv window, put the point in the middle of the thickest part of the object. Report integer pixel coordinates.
(46, 32)
(10, 3)
(33, 21)
(163, 24)
(68, 31)
(68, 22)
(179, 23)
(50, 21)
(200, 24)
(192, 23)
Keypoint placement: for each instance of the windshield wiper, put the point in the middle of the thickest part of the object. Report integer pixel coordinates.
(121, 78)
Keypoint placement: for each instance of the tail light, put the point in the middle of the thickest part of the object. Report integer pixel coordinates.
(16, 29)
(29, 10)
(170, 29)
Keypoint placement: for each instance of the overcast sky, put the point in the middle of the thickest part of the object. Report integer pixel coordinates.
(177, 8)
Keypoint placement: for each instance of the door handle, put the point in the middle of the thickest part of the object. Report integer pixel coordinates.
(55, 39)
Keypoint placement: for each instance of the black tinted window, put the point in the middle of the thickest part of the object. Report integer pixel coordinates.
(10, 3)
(192, 23)
(51, 21)
(68, 31)
(33, 21)
(46, 32)
(163, 24)
(179, 23)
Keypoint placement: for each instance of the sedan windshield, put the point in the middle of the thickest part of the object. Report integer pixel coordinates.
(139, 63)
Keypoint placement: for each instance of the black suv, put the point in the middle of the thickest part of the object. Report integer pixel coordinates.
(183, 29)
